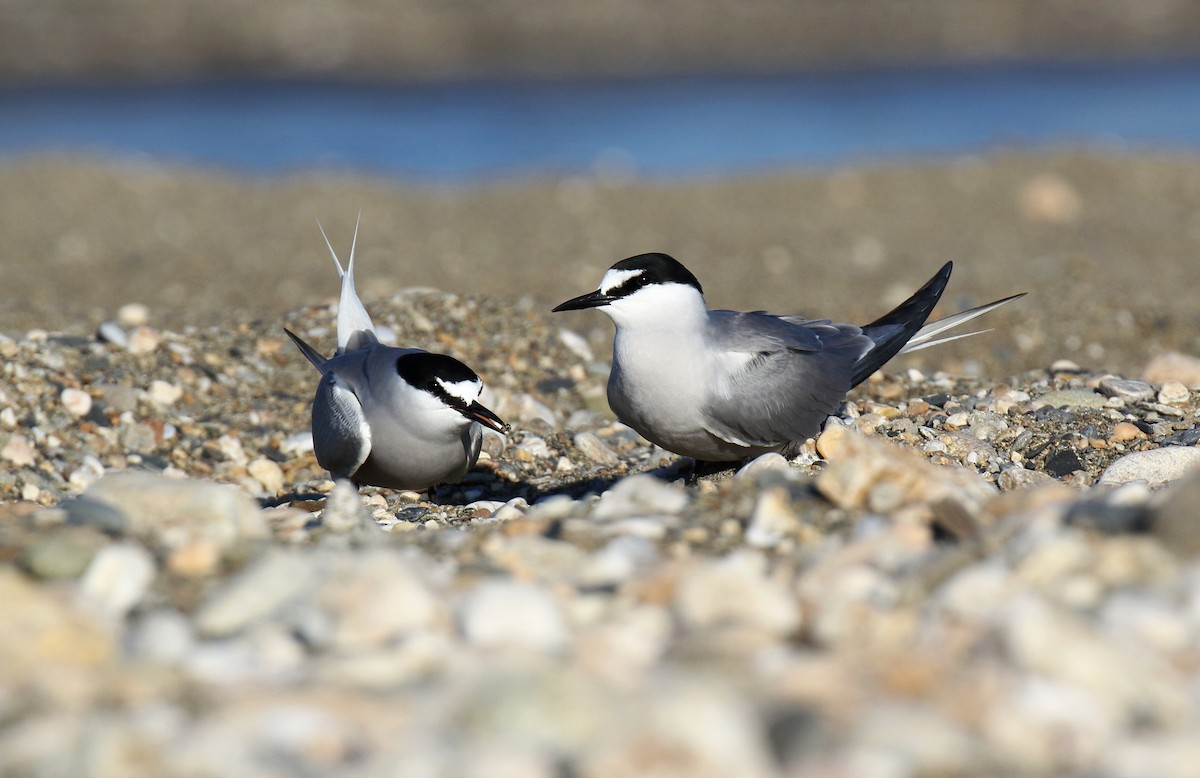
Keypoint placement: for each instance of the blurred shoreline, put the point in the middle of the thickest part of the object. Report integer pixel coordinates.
(1104, 243)
(61, 41)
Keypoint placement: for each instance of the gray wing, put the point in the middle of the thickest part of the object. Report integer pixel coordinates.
(341, 437)
(786, 376)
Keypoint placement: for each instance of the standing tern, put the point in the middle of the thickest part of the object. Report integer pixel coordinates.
(400, 418)
(726, 385)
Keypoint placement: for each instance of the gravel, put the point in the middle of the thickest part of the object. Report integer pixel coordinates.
(961, 575)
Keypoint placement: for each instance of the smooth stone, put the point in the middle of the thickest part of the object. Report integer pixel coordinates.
(770, 462)
(77, 402)
(19, 451)
(1125, 388)
(133, 315)
(344, 510)
(871, 473)
(163, 394)
(1173, 366)
(640, 494)
(64, 553)
(118, 398)
(772, 520)
(1188, 437)
(618, 561)
(1156, 466)
(1173, 393)
(1124, 431)
(259, 592)
(117, 579)
(1176, 521)
(968, 447)
(526, 407)
(531, 557)
(169, 512)
(1113, 510)
(1062, 462)
(297, 443)
(143, 340)
(111, 332)
(595, 449)
(736, 592)
(1069, 398)
(376, 597)
(161, 636)
(501, 614)
(268, 474)
(577, 344)
(531, 448)
(1022, 478)
(46, 639)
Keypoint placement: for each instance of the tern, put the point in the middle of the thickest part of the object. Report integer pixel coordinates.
(400, 418)
(720, 385)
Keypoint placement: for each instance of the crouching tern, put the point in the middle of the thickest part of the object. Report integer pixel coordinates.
(400, 418)
(727, 385)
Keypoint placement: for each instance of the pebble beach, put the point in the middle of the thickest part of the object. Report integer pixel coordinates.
(989, 565)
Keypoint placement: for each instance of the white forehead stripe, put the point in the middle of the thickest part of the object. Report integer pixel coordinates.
(467, 391)
(614, 278)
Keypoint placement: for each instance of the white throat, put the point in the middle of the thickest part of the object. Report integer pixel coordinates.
(677, 309)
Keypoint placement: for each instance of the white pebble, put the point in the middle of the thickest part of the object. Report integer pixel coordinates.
(344, 510)
(143, 340)
(267, 473)
(578, 346)
(163, 394)
(231, 449)
(76, 401)
(86, 474)
(640, 494)
(1173, 393)
(595, 449)
(736, 592)
(507, 614)
(117, 578)
(19, 451)
(1156, 466)
(297, 443)
(773, 519)
(769, 462)
(133, 315)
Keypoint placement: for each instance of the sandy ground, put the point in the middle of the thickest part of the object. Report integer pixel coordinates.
(1105, 244)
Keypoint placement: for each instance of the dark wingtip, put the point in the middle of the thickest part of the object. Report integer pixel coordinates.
(310, 353)
(903, 321)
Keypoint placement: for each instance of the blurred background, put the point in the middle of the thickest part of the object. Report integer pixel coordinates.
(817, 157)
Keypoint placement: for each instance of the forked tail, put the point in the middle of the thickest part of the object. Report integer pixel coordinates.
(903, 329)
(354, 327)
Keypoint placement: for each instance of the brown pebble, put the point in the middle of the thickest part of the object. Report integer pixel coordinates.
(1124, 431)
(195, 559)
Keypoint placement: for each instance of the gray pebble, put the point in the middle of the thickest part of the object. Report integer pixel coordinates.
(511, 615)
(1126, 388)
(111, 332)
(1156, 467)
(258, 592)
(640, 494)
(1175, 520)
(595, 449)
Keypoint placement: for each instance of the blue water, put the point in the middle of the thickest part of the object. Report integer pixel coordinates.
(657, 127)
